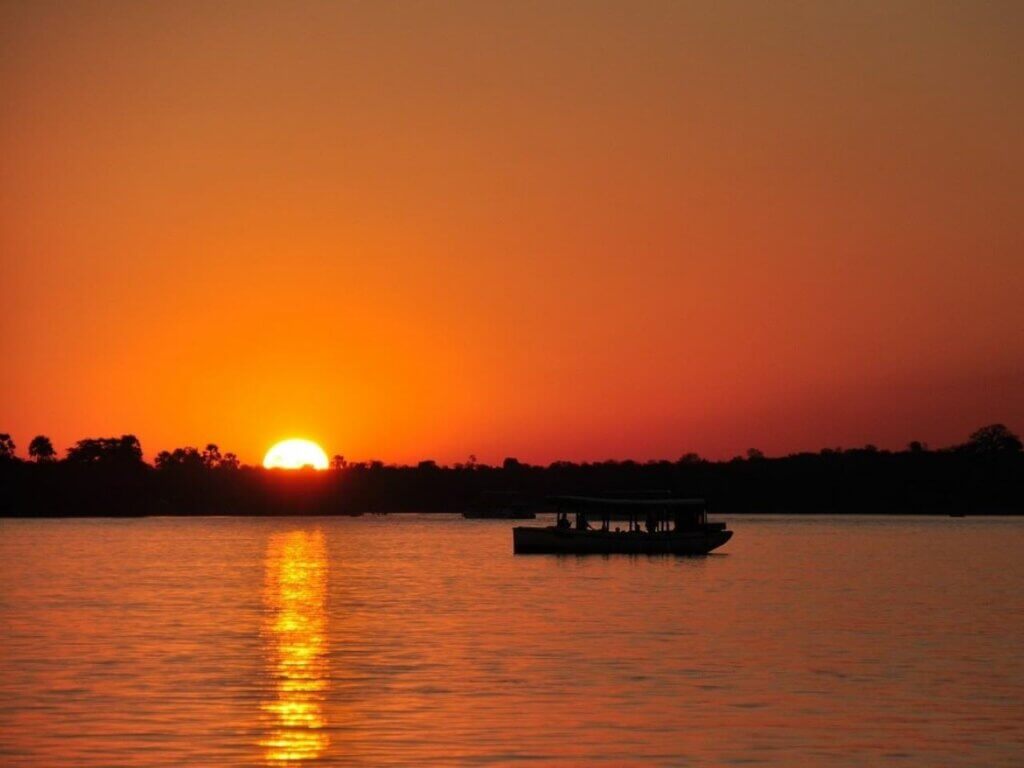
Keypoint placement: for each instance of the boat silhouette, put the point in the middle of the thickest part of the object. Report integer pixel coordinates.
(656, 526)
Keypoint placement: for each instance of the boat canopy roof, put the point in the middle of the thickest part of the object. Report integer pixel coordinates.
(597, 502)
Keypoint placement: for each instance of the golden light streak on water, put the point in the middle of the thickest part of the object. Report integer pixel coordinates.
(296, 646)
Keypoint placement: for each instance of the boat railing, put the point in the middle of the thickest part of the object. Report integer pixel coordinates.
(653, 515)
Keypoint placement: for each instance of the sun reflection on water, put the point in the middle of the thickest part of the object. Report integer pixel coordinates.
(295, 632)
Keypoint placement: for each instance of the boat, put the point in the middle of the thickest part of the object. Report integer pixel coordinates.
(661, 526)
(500, 506)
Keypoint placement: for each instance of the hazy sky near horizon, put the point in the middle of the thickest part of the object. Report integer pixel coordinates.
(571, 230)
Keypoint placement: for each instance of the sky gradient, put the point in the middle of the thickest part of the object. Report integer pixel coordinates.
(545, 230)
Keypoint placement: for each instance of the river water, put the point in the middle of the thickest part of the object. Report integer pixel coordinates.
(423, 640)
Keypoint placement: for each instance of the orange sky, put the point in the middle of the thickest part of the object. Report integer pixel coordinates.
(548, 230)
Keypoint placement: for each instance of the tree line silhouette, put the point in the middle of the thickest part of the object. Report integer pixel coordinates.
(107, 477)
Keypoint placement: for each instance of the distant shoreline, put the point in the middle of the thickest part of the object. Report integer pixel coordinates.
(106, 477)
(285, 516)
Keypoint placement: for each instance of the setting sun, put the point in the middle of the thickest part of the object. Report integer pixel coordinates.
(295, 454)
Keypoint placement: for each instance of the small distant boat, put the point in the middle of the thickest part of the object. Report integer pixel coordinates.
(500, 506)
(499, 514)
(662, 526)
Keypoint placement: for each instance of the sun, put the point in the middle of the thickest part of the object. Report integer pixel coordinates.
(295, 454)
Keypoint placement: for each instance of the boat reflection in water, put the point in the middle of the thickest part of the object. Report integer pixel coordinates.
(296, 642)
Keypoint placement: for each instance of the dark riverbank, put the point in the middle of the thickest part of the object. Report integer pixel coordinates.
(108, 478)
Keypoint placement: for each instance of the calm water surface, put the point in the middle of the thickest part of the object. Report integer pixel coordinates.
(422, 640)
